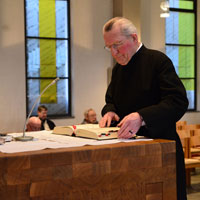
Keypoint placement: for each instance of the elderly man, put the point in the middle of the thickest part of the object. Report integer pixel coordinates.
(90, 117)
(145, 95)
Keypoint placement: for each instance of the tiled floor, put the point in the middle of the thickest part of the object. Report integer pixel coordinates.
(193, 192)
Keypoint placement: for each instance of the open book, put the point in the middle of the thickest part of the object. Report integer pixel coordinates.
(87, 131)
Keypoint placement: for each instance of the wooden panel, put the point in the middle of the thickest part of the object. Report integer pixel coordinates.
(129, 171)
(154, 191)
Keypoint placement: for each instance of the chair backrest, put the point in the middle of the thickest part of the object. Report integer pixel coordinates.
(179, 124)
(196, 132)
(195, 141)
(185, 140)
(190, 127)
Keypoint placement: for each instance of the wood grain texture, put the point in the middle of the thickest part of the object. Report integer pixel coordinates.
(129, 171)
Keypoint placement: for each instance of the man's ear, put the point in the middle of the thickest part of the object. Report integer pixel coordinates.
(134, 37)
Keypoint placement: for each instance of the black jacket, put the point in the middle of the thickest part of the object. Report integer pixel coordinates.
(49, 122)
(149, 85)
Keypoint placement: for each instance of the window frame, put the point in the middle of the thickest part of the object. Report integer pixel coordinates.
(69, 114)
(194, 11)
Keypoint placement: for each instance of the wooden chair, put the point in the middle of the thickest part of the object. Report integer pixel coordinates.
(190, 163)
(179, 124)
(190, 127)
(185, 141)
(196, 132)
(195, 146)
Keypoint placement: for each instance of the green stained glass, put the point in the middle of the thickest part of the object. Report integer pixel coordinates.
(186, 62)
(182, 4)
(188, 83)
(186, 4)
(186, 28)
(47, 24)
(180, 43)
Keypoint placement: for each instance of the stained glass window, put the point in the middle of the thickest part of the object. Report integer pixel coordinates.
(48, 55)
(181, 44)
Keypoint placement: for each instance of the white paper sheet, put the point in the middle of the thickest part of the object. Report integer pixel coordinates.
(45, 139)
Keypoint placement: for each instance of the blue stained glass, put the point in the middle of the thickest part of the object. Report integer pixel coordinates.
(174, 3)
(62, 58)
(172, 28)
(33, 59)
(32, 18)
(173, 53)
(190, 96)
(61, 19)
(59, 108)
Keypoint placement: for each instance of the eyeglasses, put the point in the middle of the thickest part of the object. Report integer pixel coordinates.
(115, 46)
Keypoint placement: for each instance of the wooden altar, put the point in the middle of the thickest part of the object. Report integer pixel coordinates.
(123, 171)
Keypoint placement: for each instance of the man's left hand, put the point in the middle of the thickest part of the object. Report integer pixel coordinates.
(129, 125)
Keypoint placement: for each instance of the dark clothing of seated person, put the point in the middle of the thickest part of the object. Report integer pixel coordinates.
(46, 124)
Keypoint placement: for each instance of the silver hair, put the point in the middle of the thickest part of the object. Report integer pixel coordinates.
(126, 26)
(87, 111)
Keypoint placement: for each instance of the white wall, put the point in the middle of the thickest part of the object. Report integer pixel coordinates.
(12, 66)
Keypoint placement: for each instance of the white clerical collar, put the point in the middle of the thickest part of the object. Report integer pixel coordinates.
(139, 47)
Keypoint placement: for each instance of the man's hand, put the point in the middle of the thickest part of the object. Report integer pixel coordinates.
(129, 125)
(107, 118)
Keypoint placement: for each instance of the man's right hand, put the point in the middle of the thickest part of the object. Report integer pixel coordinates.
(107, 118)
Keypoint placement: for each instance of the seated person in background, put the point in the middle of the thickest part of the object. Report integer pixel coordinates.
(34, 124)
(46, 124)
(90, 117)
(41, 122)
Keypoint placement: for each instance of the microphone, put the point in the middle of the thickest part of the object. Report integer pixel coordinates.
(29, 138)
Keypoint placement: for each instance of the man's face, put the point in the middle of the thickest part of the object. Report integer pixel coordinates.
(43, 114)
(92, 117)
(122, 47)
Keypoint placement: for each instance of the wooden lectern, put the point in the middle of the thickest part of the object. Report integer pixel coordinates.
(124, 171)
